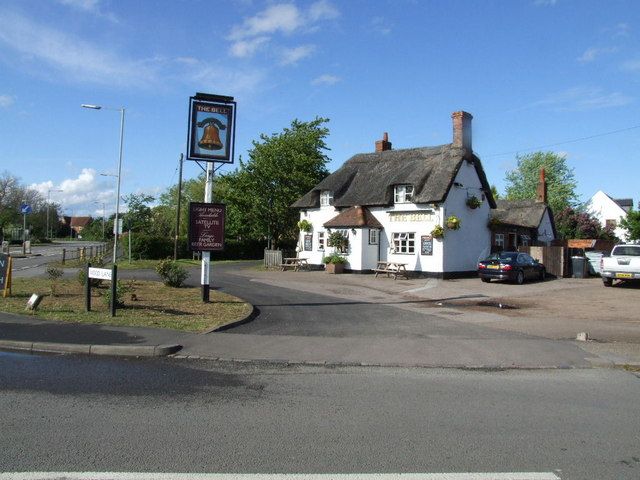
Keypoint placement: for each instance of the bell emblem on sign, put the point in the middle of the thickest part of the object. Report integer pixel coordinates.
(210, 139)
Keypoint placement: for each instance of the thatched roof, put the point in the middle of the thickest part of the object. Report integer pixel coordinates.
(520, 213)
(354, 217)
(368, 179)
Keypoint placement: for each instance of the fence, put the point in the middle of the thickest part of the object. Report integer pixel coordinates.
(272, 258)
(83, 252)
(556, 260)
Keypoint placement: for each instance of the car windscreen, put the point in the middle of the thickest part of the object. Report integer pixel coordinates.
(631, 251)
(503, 257)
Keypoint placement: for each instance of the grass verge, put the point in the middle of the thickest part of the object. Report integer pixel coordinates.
(147, 304)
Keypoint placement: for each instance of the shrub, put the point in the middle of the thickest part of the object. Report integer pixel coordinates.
(121, 290)
(172, 274)
(54, 274)
(334, 258)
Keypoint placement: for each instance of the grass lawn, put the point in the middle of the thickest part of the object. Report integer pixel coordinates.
(147, 304)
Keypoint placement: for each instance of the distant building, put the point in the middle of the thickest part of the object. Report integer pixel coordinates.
(76, 224)
(609, 211)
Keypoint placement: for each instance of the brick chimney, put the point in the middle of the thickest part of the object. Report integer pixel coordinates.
(541, 193)
(462, 129)
(384, 144)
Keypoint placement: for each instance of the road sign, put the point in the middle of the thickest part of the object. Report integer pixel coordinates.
(119, 231)
(24, 208)
(101, 273)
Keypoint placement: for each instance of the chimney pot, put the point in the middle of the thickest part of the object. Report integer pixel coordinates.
(384, 144)
(462, 129)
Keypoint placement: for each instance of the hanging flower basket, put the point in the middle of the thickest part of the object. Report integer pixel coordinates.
(305, 226)
(473, 202)
(437, 232)
(453, 223)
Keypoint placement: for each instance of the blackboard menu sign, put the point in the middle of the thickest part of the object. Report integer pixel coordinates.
(206, 227)
(426, 242)
(308, 239)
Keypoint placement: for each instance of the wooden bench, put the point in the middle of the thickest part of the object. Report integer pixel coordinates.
(294, 263)
(392, 268)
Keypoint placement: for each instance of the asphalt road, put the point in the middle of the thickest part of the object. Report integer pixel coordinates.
(284, 311)
(88, 414)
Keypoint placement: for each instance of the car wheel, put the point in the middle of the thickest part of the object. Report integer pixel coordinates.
(520, 277)
(543, 275)
(608, 282)
(485, 280)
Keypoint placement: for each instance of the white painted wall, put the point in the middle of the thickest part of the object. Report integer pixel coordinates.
(602, 207)
(463, 248)
(545, 229)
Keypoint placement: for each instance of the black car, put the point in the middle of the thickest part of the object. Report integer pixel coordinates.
(514, 266)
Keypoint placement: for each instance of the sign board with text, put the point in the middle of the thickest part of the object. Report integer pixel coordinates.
(211, 128)
(206, 227)
(101, 273)
(5, 271)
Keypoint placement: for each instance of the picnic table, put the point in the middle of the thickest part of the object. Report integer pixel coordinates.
(295, 263)
(392, 268)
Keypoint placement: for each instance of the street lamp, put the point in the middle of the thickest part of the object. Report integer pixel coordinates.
(119, 176)
(49, 234)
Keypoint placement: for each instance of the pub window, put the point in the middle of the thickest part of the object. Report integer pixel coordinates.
(320, 240)
(611, 224)
(403, 193)
(499, 240)
(404, 243)
(373, 237)
(326, 198)
(525, 240)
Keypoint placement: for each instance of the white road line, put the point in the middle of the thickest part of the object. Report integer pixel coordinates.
(277, 476)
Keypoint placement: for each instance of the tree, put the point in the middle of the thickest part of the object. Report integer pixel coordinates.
(573, 223)
(281, 168)
(522, 182)
(12, 195)
(494, 192)
(138, 216)
(632, 224)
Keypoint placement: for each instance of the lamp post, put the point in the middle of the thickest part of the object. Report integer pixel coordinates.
(49, 234)
(119, 176)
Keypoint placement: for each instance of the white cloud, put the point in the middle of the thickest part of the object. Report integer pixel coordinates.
(284, 18)
(291, 56)
(279, 19)
(246, 48)
(592, 53)
(214, 77)
(80, 192)
(325, 79)
(545, 3)
(323, 10)
(73, 56)
(6, 101)
(584, 98)
(621, 30)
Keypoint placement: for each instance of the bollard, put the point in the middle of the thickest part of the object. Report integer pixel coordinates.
(64, 253)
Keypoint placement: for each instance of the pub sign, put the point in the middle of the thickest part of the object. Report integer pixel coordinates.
(211, 128)
(206, 227)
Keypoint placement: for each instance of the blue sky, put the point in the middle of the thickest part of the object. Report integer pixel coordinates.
(531, 72)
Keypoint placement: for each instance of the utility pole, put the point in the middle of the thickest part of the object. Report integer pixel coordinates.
(175, 240)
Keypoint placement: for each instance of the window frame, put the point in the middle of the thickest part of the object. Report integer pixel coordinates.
(326, 198)
(374, 232)
(498, 239)
(321, 241)
(404, 243)
(403, 193)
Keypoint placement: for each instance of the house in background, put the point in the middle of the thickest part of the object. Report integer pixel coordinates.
(76, 224)
(524, 223)
(388, 202)
(610, 211)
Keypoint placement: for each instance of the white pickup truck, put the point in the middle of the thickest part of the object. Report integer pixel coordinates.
(622, 264)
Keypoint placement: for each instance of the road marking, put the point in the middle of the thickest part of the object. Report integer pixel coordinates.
(276, 476)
